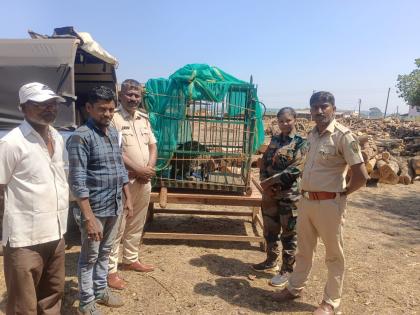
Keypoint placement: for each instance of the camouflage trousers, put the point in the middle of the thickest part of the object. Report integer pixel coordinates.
(280, 225)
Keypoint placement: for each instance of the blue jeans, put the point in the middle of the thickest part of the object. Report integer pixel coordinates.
(92, 269)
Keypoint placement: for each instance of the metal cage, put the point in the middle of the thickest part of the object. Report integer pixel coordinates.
(214, 142)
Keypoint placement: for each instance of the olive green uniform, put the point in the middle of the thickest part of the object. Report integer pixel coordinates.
(282, 164)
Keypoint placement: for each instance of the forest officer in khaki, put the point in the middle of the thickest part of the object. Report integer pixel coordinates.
(332, 149)
(139, 154)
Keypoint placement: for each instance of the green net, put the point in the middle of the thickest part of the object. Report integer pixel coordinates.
(169, 100)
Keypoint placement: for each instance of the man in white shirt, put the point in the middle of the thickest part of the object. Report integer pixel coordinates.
(36, 205)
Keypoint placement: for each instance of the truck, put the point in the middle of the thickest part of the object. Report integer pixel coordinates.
(69, 62)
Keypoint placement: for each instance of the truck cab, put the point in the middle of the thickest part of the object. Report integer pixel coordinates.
(69, 62)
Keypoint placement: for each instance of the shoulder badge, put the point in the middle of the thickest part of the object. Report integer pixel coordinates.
(354, 146)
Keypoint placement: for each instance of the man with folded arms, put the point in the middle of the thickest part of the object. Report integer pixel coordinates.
(139, 153)
(332, 150)
(36, 205)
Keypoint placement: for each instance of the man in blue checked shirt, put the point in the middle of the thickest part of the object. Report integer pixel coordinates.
(97, 178)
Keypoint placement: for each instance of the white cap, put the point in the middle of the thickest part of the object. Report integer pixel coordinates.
(37, 92)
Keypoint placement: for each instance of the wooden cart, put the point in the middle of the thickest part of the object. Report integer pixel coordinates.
(252, 200)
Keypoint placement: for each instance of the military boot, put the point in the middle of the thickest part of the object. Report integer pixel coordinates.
(270, 263)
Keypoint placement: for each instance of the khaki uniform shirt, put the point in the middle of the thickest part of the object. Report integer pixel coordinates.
(329, 156)
(136, 134)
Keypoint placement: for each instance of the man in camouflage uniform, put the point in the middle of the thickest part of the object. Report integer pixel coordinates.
(280, 169)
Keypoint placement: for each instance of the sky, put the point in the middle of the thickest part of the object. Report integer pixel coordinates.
(354, 49)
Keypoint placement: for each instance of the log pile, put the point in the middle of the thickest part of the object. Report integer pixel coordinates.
(369, 151)
(391, 170)
(400, 138)
(384, 144)
(414, 167)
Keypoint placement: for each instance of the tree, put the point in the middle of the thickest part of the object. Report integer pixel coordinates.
(375, 112)
(409, 86)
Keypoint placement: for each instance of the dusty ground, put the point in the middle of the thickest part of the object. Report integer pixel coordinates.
(382, 244)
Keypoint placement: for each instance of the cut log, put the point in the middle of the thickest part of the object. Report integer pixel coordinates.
(411, 172)
(163, 197)
(386, 156)
(370, 165)
(389, 142)
(412, 147)
(374, 174)
(405, 177)
(368, 153)
(391, 180)
(415, 165)
(380, 163)
(390, 168)
(388, 172)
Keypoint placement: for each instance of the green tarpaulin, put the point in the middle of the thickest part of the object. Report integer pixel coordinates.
(167, 101)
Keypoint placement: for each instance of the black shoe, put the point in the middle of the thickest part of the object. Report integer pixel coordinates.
(266, 266)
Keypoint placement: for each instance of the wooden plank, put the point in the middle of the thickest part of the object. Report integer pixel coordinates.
(208, 200)
(255, 211)
(205, 212)
(259, 221)
(257, 185)
(150, 212)
(253, 200)
(163, 197)
(202, 237)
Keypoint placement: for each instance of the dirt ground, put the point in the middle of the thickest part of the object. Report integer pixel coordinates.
(382, 245)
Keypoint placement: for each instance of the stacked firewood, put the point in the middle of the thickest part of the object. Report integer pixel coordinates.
(369, 151)
(391, 170)
(384, 166)
(400, 138)
(412, 145)
(384, 144)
